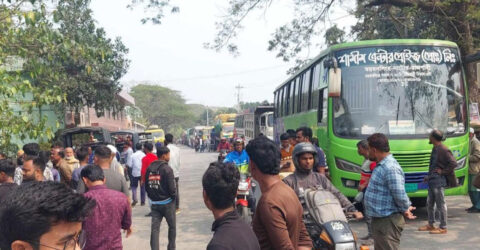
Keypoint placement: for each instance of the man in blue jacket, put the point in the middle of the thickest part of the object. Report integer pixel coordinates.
(239, 157)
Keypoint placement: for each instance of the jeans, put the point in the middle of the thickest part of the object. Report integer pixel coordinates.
(436, 196)
(177, 199)
(134, 184)
(473, 192)
(158, 212)
(386, 231)
(368, 220)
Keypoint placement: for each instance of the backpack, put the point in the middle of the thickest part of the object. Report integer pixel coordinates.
(322, 205)
(153, 185)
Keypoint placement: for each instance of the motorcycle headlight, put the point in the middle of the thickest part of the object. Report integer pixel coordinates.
(461, 163)
(348, 166)
(345, 246)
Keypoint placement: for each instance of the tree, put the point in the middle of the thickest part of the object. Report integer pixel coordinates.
(162, 106)
(53, 59)
(94, 64)
(27, 81)
(334, 35)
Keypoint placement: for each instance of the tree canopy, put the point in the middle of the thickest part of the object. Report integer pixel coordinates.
(162, 106)
(53, 57)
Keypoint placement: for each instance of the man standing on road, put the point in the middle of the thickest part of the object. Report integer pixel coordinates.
(278, 221)
(386, 200)
(114, 164)
(305, 134)
(367, 169)
(128, 159)
(174, 163)
(136, 174)
(33, 168)
(7, 170)
(286, 164)
(111, 215)
(114, 180)
(146, 161)
(220, 183)
(440, 175)
(31, 149)
(82, 155)
(70, 159)
(161, 189)
(43, 215)
(56, 157)
(473, 171)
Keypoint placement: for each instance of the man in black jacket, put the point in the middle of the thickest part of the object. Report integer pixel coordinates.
(220, 183)
(160, 187)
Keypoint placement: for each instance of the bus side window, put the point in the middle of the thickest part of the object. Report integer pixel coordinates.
(286, 95)
(322, 106)
(298, 95)
(292, 97)
(280, 103)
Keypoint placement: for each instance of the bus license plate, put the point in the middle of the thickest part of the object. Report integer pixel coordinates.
(411, 187)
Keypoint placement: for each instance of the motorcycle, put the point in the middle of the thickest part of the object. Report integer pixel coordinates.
(326, 221)
(243, 202)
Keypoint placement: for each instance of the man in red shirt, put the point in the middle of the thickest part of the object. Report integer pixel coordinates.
(224, 145)
(146, 161)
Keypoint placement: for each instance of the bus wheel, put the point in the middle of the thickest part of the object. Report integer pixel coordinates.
(419, 201)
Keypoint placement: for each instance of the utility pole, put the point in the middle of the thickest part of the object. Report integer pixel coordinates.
(239, 88)
(207, 116)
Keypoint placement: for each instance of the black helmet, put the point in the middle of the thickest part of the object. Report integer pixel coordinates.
(302, 148)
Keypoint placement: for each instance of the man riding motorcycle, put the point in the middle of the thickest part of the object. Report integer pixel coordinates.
(223, 145)
(304, 158)
(239, 157)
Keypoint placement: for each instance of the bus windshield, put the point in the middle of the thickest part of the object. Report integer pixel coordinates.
(228, 128)
(399, 91)
(157, 134)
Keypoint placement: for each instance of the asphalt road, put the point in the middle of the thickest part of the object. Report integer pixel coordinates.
(195, 220)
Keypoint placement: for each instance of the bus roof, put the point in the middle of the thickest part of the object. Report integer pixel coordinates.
(369, 43)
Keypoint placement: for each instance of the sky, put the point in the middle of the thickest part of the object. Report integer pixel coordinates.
(172, 54)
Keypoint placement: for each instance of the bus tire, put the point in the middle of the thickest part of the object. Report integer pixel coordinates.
(419, 201)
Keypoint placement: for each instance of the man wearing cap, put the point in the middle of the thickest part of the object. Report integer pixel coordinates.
(114, 164)
(223, 145)
(473, 170)
(440, 175)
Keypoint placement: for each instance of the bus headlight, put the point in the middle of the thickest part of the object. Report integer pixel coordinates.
(348, 166)
(461, 163)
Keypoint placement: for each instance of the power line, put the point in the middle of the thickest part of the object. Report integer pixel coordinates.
(222, 75)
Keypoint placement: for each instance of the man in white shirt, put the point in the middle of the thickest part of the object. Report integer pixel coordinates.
(174, 163)
(136, 173)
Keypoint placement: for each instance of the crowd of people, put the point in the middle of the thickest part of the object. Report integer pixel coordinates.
(91, 203)
(68, 199)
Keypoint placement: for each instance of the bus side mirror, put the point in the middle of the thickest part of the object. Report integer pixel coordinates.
(334, 82)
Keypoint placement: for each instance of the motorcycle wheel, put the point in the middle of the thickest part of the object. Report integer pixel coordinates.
(244, 213)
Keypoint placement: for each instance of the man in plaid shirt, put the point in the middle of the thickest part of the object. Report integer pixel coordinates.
(385, 199)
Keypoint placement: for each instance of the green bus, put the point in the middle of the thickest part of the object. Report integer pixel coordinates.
(401, 88)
